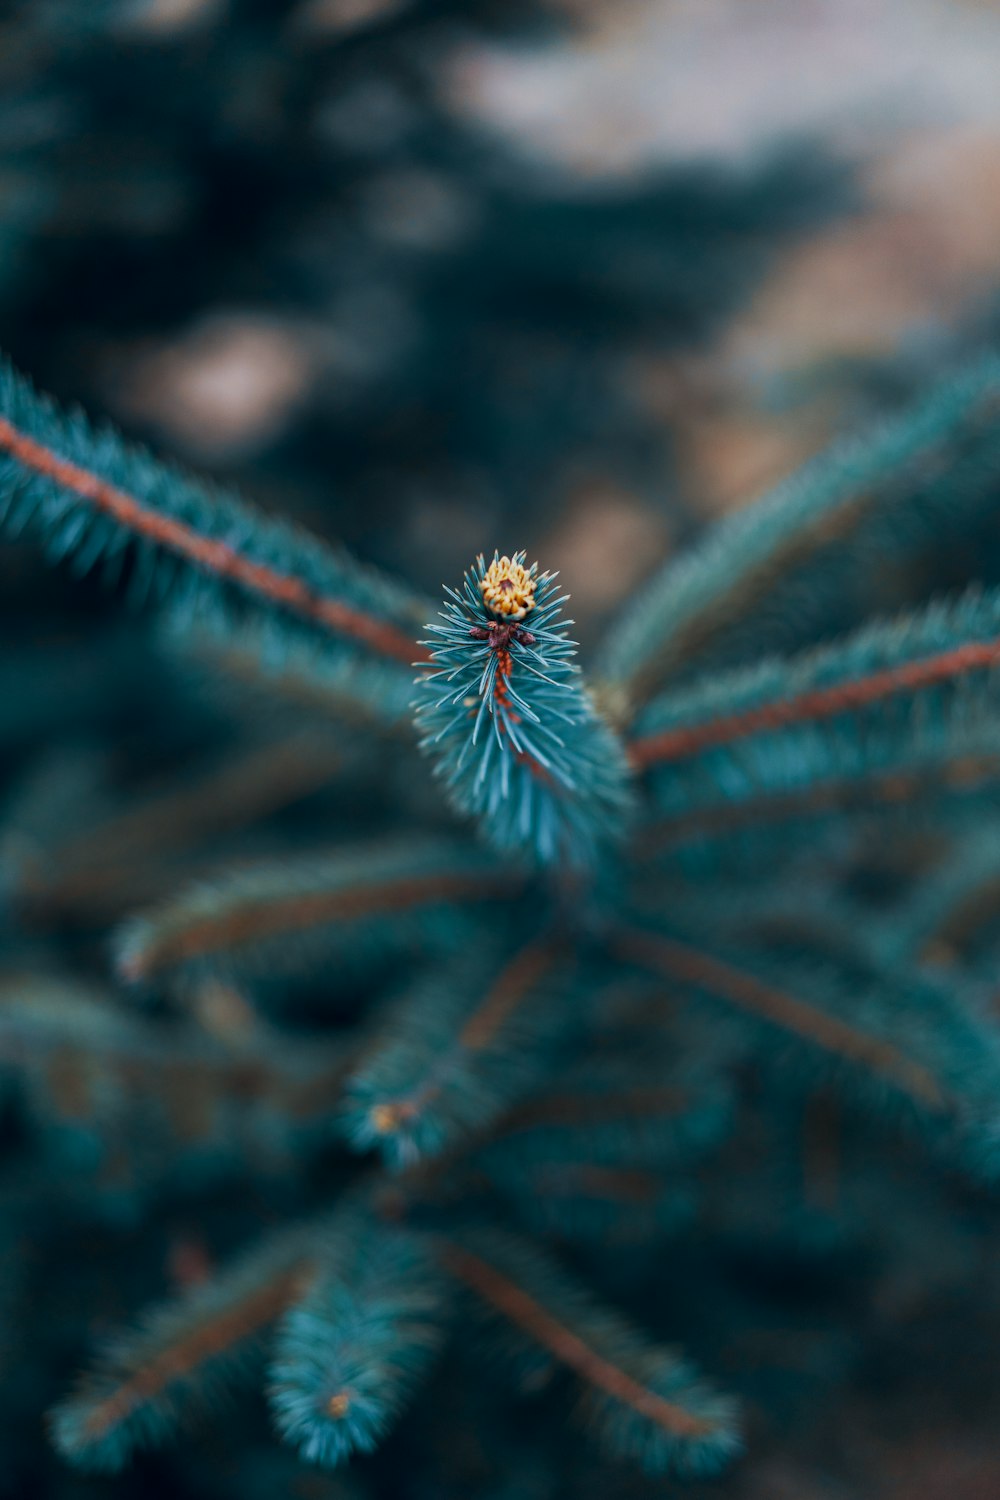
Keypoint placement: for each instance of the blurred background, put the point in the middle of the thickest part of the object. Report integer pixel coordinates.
(436, 276)
(442, 275)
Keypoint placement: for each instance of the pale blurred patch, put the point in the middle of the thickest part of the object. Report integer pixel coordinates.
(654, 80)
(927, 247)
(910, 89)
(167, 16)
(337, 17)
(920, 258)
(221, 391)
(604, 544)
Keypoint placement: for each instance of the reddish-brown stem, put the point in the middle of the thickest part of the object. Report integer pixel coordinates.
(718, 611)
(886, 788)
(501, 700)
(956, 927)
(689, 966)
(514, 1303)
(511, 987)
(234, 1324)
(821, 703)
(264, 917)
(214, 556)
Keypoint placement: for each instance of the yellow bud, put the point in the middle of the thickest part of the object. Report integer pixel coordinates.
(508, 589)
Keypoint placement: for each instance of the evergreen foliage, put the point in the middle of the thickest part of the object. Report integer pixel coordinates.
(522, 1067)
(672, 1022)
(93, 501)
(538, 768)
(810, 557)
(149, 1379)
(647, 1404)
(351, 1351)
(467, 312)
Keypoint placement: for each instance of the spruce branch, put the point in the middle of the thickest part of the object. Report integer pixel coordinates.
(893, 696)
(265, 670)
(349, 1355)
(525, 1069)
(688, 966)
(92, 499)
(609, 1161)
(905, 1040)
(375, 897)
(263, 778)
(656, 1106)
(908, 476)
(511, 730)
(942, 777)
(456, 1050)
(645, 1403)
(150, 1380)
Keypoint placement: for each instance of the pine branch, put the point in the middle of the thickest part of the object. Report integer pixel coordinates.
(690, 967)
(456, 1051)
(265, 777)
(893, 696)
(900, 1038)
(379, 897)
(508, 725)
(645, 1403)
(654, 1106)
(673, 626)
(583, 1202)
(350, 1354)
(265, 670)
(92, 498)
(598, 1158)
(185, 1351)
(941, 778)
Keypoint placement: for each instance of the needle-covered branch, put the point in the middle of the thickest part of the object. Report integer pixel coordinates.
(511, 729)
(606, 1150)
(945, 778)
(264, 671)
(645, 1403)
(456, 1049)
(655, 1106)
(902, 1041)
(276, 917)
(149, 1100)
(956, 907)
(93, 499)
(922, 476)
(349, 1355)
(62, 862)
(150, 1380)
(893, 697)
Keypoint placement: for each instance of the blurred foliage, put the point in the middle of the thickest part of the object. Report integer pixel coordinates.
(280, 242)
(268, 237)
